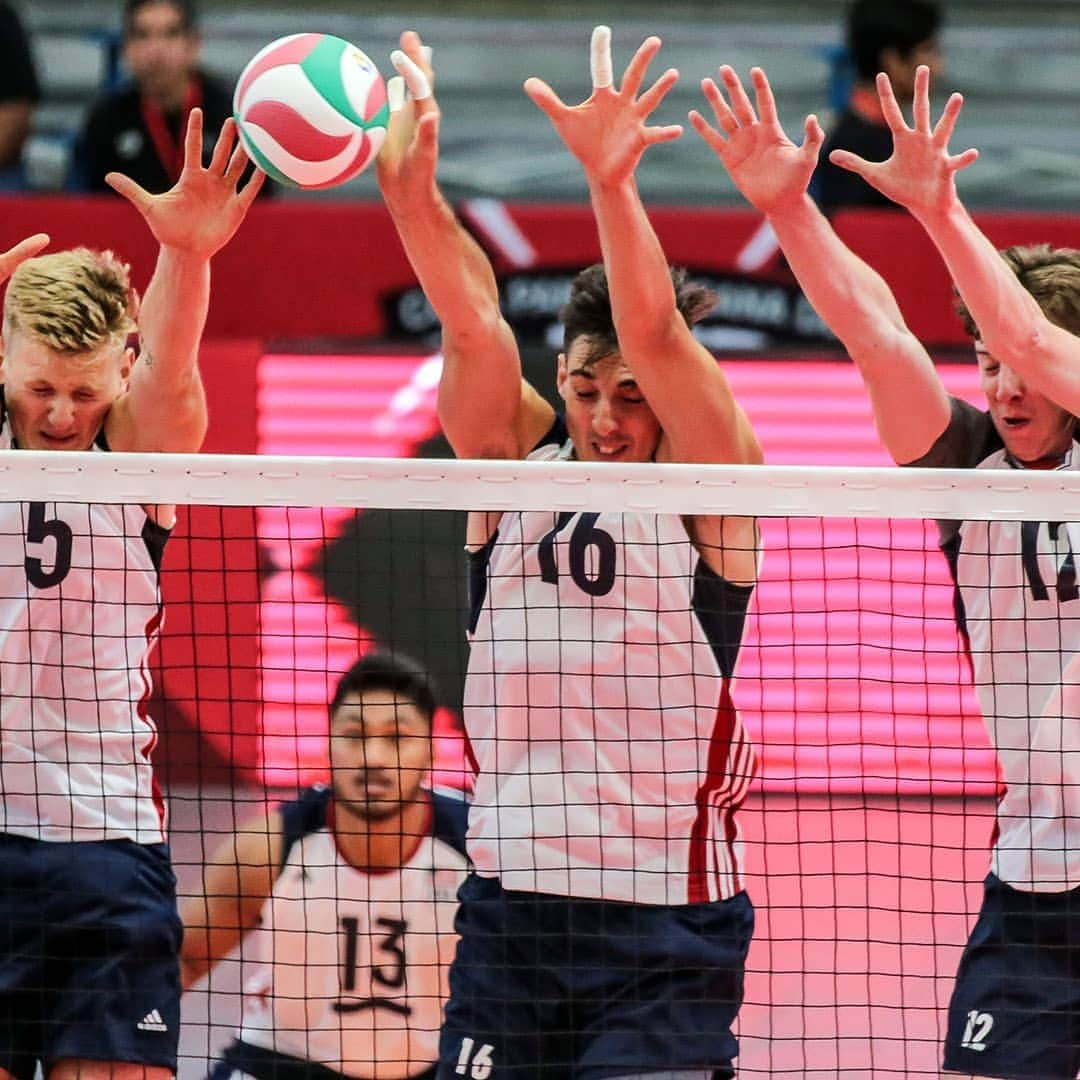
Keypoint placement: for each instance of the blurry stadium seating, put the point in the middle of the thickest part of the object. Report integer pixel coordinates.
(1015, 64)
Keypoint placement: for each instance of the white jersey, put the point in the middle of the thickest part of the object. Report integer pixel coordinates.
(80, 610)
(609, 757)
(1017, 584)
(353, 966)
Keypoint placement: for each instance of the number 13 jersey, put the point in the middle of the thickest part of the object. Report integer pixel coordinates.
(610, 760)
(354, 964)
(80, 610)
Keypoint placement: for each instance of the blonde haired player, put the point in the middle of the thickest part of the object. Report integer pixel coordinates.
(89, 975)
(605, 931)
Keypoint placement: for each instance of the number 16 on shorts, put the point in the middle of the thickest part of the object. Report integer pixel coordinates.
(474, 1063)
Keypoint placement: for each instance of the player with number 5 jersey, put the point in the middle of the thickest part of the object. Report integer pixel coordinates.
(89, 972)
(609, 758)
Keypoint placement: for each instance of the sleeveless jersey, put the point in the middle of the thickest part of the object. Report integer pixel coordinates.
(80, 610)
(609, 757)
(1019, 609)
(353, 966)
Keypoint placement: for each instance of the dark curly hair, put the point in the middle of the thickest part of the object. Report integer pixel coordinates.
(587, 313)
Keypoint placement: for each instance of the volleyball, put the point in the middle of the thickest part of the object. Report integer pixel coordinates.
(311, 110)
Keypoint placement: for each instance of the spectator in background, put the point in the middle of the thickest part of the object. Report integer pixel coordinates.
(894, 36)
(139, 129)
(19, 90)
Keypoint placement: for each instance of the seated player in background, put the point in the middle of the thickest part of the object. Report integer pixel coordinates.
(610, 759)
(89, 973)
(1015, 1009)
(349, 892)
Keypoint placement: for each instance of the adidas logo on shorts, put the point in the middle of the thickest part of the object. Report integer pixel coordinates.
(152, 1022)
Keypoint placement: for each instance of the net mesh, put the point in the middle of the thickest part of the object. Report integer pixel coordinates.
(866, 821)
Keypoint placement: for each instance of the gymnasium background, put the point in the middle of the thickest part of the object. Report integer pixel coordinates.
(318, 343)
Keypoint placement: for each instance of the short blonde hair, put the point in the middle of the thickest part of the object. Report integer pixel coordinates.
(71, 301)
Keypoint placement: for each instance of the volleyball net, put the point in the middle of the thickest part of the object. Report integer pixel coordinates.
(867, 781)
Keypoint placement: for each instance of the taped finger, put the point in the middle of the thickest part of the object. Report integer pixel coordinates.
(600, 58)
(415, 79)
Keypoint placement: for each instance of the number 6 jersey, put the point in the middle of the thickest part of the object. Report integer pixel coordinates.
(610, 760)
(80, 610)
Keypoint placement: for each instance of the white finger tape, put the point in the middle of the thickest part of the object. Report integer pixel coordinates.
(395, 93)
(415, 79)
(600, 57)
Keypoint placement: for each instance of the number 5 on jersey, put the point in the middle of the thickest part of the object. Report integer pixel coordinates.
(38, 532)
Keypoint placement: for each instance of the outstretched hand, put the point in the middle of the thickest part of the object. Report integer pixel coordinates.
(764, 164)
(203, 209)
(921, 173)
(25, 249)
(409, 156)
(608, 132)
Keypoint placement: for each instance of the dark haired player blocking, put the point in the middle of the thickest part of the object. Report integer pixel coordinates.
(605, 930)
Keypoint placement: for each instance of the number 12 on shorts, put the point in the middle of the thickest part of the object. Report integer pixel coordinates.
(476, 1066)
(978, 1027)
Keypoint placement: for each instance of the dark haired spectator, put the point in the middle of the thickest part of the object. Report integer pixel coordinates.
(19, 91)
(138, 130)
(894, 36)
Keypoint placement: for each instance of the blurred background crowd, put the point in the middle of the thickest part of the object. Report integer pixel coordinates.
(104, 84)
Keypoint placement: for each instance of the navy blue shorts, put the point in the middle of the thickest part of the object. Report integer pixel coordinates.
(89, 946)
(1015, 1009)
(242, 1059)
(551, 986)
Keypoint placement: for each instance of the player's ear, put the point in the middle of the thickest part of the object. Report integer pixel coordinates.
(561, 375)
(126, 365)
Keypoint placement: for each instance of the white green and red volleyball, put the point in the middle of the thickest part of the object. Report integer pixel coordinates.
(311, 110)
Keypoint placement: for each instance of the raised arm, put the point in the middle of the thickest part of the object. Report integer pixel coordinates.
(165, 407)
(911, 408)
(683, 384)
(485, 407)
(921, 176)
(236, 883)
